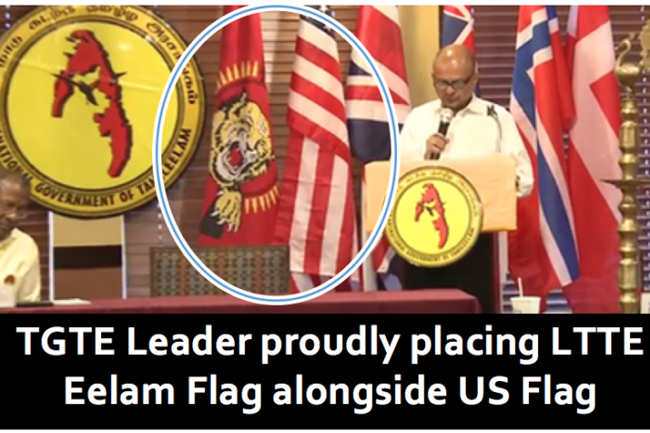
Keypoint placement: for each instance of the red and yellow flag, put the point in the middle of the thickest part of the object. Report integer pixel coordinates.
(241, 192)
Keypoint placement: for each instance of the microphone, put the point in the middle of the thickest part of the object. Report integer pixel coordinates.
(445, 119)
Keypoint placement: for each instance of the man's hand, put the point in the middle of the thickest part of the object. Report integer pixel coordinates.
(435, 145)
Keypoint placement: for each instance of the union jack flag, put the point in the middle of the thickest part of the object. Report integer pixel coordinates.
(316, 215)
(542, 252)
(378, 28)
(458, 28)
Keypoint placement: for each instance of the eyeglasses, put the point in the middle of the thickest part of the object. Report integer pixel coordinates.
(7, 209)
(456, 84)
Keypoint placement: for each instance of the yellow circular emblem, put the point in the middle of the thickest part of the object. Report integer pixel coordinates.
(79, 91)
(436, 218)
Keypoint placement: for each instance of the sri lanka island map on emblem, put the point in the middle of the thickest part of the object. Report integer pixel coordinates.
(431, 202)
(90, 57)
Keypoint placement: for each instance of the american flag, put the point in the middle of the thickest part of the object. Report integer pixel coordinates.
(458, 28)
(378, 29)
(593, 157)
(316, 214)
(543, 250)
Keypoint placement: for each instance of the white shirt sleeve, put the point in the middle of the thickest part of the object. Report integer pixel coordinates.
(514, 146)
(29, 285)
(410, 149)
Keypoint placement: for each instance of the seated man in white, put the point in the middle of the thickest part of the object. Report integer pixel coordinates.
(19, 259)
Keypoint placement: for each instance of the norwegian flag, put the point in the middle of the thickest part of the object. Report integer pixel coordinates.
(378, 29)
(458, 28)
(593, 157)
(316, 215)
(542, 252)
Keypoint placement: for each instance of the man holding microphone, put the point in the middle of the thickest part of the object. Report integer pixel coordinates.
(461, 125)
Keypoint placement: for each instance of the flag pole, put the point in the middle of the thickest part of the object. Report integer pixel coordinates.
(627, 74)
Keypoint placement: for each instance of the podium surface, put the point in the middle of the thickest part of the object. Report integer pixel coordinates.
(493, 177)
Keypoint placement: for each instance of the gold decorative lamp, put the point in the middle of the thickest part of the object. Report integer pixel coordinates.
(627, 74)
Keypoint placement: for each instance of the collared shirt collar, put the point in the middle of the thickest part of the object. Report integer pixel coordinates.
(475, 106)
(12, 237)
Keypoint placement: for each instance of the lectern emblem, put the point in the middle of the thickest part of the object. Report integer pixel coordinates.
(437, 217)
(79, 90)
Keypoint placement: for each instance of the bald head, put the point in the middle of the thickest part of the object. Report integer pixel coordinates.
(457, 56)
(14, 200)
(454, 76)
(14, 177)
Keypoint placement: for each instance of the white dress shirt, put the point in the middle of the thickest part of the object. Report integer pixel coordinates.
(19, 258)
(480, 129)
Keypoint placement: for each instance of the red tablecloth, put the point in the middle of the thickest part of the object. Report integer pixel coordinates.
(440, 301)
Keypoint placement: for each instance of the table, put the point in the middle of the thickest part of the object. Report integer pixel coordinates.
(439, 301)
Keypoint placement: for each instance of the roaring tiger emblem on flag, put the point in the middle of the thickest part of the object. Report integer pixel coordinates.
(241, 151)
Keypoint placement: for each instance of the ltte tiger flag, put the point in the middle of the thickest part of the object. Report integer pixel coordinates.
(241, 192)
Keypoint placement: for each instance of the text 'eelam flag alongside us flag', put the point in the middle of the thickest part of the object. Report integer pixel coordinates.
(316, 215)
(379, 30)
(241, 191)
(543, 250)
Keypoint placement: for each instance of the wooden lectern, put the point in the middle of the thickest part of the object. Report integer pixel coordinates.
(493, 177)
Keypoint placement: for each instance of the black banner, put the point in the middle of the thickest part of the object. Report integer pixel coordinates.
(323, 371)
